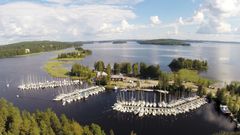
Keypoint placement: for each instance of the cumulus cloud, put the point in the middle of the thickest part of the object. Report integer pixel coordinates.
(25, 20)
(198, 17)
(109, 28)
(155, 20)
(214, 15)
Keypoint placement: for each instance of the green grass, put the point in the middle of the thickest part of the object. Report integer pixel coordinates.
(193, 76)
(67, 59)
(56, 69)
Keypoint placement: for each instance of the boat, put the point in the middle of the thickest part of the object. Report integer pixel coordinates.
(224, 109)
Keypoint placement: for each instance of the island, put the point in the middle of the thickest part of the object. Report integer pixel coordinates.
(30, 47)
(164, 42)
(182, 63)
(119, 42)
(78, 54)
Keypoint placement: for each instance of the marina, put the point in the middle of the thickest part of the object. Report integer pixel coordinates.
(145, 102)
(98, 109)
(48, 84)
(79, 94)
(142, 108)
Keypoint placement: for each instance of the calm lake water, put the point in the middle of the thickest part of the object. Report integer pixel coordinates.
(223, 65)
(223, 58)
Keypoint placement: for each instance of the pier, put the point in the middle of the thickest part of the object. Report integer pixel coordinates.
(79, 94)
(145, 103)
(48, 84)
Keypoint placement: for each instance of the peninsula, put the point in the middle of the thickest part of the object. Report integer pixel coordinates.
(30, 47)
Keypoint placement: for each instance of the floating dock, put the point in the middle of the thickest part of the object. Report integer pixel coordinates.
(79, 94)
(142, 108)
(48, 84)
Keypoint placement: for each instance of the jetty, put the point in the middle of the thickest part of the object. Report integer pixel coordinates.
(166, 104)
(79, 94)
(48, 84)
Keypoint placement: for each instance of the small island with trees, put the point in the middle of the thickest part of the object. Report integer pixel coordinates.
(182, 63)
(78, 54)
(164, 42)
(119, 42)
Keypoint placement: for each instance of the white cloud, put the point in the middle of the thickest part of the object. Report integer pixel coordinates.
(109, 28)
(180, 21)
(110, 2)
(198, 17)
(61, 1)
(32, 21)
(155, 20)
(214, 15)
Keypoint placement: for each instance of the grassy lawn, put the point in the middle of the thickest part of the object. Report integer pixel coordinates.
(56, 69)
(193, 76)
(67, 59)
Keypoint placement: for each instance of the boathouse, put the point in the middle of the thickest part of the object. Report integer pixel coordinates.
(119, 77)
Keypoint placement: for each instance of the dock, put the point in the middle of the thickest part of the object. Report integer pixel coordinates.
(48, 84)
(79, 94)
(142, 108)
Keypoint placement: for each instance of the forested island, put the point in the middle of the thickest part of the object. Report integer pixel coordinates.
(16, 122)
(119, 42)
(164, 42)
(30, 47)
(79, 53)
(182, 63)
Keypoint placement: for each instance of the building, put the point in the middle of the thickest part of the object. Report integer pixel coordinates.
(119, 77)
(101, 74)
(27, 50)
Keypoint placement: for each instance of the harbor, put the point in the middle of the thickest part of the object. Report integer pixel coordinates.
(78, 94)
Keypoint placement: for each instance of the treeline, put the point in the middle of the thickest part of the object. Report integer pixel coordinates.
(230, 96)
(182, 63)
(164, 42)
(16, 122)
(30, 47)
(81, 71)
(141, 70)
(79, 53)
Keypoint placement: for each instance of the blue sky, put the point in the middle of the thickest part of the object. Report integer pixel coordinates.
(74, 20)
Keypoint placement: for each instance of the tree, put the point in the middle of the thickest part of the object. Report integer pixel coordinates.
(135, 69)
(163, 81)
(128, 68)
(116, 68)
(99, 66)
(143, 69)
(108, 70)
(13, 121)
(111, 132)
(177, 80)
(96, 129)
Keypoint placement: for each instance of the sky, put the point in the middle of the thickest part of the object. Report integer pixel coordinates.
(83, 20)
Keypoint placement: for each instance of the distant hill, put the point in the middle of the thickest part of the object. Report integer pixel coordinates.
(30, 47)
(164, 42)
(119, 42)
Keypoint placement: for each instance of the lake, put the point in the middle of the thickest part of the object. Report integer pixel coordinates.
(223, 58)
(223, 65)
